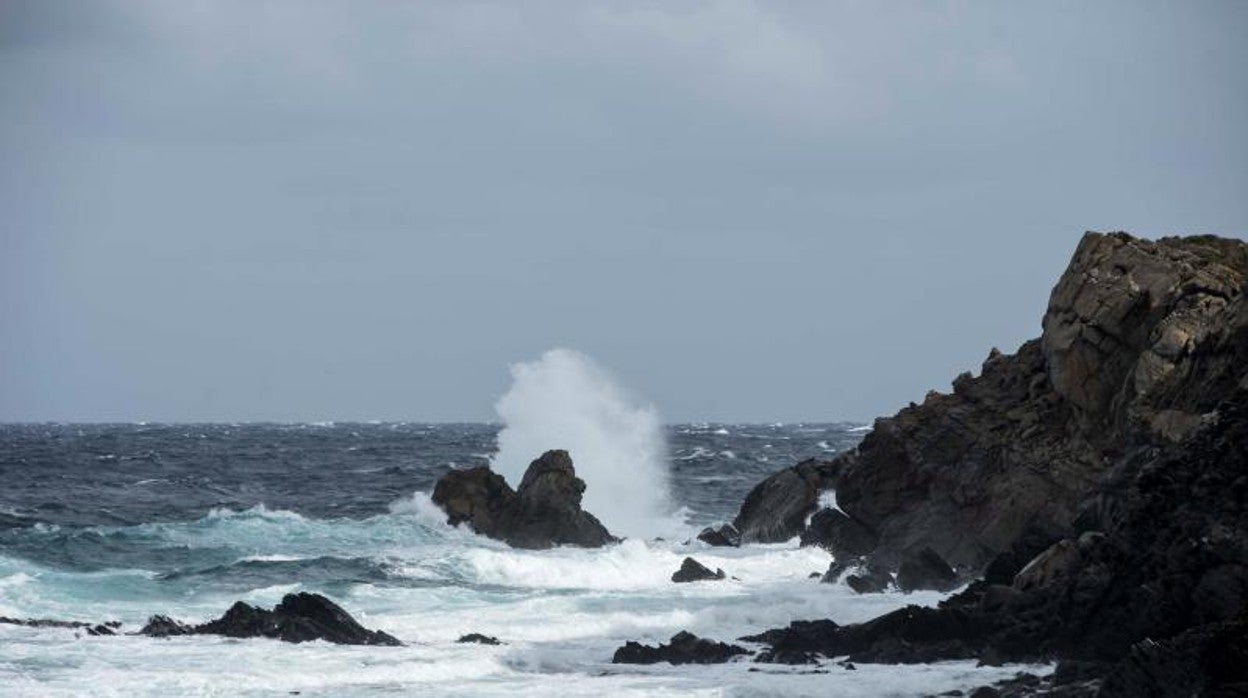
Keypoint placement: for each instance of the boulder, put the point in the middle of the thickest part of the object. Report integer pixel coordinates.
(776, 509)
(925, 570)
(301, 617)
(478, 638)
(544, 512)
(725, 536)
(840, 535)
(683, 648)
(693, 571)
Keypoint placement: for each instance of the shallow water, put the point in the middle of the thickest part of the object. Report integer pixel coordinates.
(120, 522)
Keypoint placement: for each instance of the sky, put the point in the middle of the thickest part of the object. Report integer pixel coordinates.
(746, 211)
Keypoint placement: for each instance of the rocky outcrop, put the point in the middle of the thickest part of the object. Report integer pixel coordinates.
(777, 508)
(683, 648)
(479, 639)
(693, 571)
(301, 617)
(1136, 351)
(543, 512)
(1154, 602)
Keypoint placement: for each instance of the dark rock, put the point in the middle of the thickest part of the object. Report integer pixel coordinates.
(792, 657)
(776, 509)
(925, 570)
(693, 571)
(1208, 660)
(683, 648)
(301, 617)
(985, 692)
(869, 578)
(840, 535)
(164, 626)
(479, 638)
(1137, 349)
(543, 512)
(725, 536)
(100, 629)
(1070, 671)
(47, 623)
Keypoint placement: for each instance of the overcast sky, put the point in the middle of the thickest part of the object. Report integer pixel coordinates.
(746, 210)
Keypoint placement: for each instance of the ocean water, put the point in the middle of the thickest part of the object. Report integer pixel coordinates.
(119, 522)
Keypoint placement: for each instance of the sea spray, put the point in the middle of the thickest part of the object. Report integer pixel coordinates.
(565, 400)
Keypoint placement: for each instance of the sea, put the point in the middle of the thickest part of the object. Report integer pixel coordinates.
(117, 522)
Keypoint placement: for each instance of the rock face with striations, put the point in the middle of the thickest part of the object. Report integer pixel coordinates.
(543, 512)
(1133, 354)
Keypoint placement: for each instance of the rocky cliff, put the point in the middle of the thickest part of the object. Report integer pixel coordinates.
(1138, 347)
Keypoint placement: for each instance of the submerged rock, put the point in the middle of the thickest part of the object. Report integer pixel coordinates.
(543, 512)
(301, 617)
(683, 648)
(693, 571)
(479, 639)
(91, 628)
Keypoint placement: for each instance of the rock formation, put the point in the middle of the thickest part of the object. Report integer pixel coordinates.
(777, 508)
(1098, 478)
(693, 571)
(683, 648)
(1135, 352)
(543, 512)
(301, 617)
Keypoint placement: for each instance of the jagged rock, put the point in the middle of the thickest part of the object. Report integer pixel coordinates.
(840, 535)
(725, 536)
(683, 648)
(693, 571)
(543, 512)
(164, 626)
(776, 509)
(1175, 558)
(479, 639)
(1136, 352)
(925, 570)
(301, 617)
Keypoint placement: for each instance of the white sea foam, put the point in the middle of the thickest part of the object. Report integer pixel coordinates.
(565, 400)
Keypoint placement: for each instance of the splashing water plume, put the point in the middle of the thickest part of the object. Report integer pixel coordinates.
(565, 400)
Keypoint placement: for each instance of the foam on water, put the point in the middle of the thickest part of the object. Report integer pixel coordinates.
(565, 400)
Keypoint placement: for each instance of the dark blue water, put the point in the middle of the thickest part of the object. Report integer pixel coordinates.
(93, 480)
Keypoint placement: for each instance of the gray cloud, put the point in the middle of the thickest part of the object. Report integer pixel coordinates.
(760, 211)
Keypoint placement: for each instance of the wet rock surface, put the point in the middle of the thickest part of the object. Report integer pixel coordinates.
(301, 617)
(777, 508)
(693, 571)
(479, 639)
(543, 512)
(724, 536)
(683, 648)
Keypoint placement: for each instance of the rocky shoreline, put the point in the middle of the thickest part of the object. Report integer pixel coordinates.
(1087, 496)
(1092, 488)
